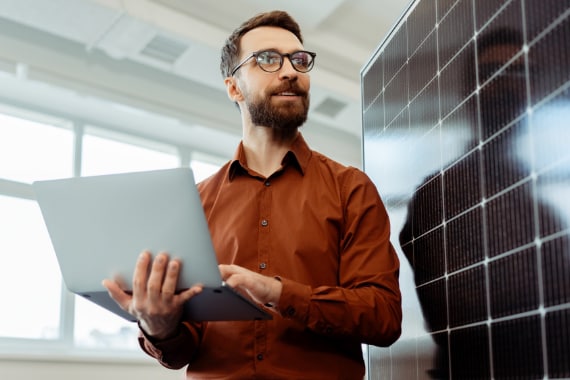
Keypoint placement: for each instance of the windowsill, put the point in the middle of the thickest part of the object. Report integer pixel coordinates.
(30, 353)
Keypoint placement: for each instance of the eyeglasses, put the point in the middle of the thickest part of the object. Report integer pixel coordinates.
(272, 61)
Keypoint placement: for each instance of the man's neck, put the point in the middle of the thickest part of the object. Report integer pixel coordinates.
(265, 148)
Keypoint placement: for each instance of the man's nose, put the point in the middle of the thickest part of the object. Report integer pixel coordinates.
(287, 71)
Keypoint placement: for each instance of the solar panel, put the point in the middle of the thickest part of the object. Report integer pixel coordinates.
(466, 127)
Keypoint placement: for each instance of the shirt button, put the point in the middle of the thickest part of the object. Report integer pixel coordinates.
(259, 356)
(262, 265)
(264, 222)
(290, 311)
(267, 183)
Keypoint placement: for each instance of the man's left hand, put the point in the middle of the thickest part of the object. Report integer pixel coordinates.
(262, 289)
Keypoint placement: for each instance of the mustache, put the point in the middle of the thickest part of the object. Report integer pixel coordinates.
(289, 87)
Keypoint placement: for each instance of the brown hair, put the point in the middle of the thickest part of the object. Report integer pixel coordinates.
(231, 48)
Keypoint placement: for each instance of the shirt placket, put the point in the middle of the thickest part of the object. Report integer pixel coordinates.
(263, 262)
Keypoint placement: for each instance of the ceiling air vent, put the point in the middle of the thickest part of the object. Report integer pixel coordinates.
(164, 49)
(330, 107)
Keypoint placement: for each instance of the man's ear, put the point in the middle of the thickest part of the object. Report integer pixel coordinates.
(232, 89)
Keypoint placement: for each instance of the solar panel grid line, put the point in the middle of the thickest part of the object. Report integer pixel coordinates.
(486, 226)
(482, 202)
(391, 65)
(443, 7)
(450, 78)
(420, 28)
(401, 119)
(375, 81)
(560, 92)
(487, 10)
(469, 267)
(423, 72)
(560, 13)
(455, 32)
(544, 51)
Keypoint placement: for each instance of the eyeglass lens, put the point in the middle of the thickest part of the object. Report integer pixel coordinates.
(272, 61)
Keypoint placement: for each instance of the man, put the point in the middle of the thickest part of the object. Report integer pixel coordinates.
(295, 231)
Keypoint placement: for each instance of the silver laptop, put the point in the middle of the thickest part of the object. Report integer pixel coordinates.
(99, 225)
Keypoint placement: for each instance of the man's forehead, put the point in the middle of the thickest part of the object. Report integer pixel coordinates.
(269, 37)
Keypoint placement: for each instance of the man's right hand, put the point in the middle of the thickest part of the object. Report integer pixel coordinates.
(154, 302)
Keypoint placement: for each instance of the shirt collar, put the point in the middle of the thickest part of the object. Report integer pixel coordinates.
(297, 156)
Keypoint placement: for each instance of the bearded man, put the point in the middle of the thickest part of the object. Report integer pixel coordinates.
(295, 231)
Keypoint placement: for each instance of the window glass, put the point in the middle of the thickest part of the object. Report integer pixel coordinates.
(203, 170)
(105, 153)
(30, 280)
(96, 327)
(33, 151)
(102, 155)
(34, 147)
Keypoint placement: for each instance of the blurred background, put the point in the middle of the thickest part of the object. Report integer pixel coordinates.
(103, 86)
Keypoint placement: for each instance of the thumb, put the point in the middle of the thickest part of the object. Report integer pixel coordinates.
(122, 298)
(189, 293)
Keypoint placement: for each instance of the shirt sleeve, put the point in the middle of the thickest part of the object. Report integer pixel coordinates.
(366, 304)
(174, 352)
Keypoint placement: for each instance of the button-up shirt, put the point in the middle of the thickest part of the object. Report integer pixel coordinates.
(322, 230)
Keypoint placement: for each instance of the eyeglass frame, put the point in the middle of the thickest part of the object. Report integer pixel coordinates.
(288, 55)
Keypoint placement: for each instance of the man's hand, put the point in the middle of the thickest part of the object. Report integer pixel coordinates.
(153, 301)
(262, 289)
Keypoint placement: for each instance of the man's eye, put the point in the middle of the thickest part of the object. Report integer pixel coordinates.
(268, 59)
(300, 59)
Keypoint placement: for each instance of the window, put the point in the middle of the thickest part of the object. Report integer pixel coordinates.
(36, 147)
(30, 285)
(108, 153)
(34, 150)
(203, 170)
(105, 153)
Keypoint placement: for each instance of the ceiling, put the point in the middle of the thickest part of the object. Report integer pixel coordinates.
(152, 66)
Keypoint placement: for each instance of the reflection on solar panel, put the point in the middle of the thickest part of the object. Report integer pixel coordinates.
(466, 113)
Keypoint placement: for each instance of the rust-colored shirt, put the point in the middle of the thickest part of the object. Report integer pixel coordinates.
(323, 230)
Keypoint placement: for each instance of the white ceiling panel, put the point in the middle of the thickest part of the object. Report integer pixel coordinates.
(163, 56)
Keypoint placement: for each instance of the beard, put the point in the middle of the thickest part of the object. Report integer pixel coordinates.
(285, 117)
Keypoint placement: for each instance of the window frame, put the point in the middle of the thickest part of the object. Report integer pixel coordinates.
(64, 347)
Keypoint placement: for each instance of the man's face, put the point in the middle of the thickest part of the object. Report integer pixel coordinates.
(280, 99)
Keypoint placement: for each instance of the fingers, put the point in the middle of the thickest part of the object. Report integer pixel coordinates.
(235, 275)
(239, 277)
(154, 286)
(169, 286)
(262, 289)
(117, 293)
(154, 302)
(140, 274)
(228, 270)
(170, 280)
(189, 293)
(159, 285)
